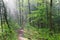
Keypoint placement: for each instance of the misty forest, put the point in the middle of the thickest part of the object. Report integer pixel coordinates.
(29, 20)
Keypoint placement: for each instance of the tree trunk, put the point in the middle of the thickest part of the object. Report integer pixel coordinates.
(51, 25)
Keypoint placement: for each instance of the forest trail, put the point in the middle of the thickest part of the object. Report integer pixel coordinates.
(22, 38)
(20, 35)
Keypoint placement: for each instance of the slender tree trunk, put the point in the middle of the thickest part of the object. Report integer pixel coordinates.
(51, 25)
(47, 13)
(29, 6)
(29, 10)
(5, 15)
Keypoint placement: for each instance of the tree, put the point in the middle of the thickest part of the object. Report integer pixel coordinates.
(50, 18)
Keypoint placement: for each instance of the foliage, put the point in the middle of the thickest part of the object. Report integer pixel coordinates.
(38, 16)
(38, 26)
(9, 34)
(37, 34)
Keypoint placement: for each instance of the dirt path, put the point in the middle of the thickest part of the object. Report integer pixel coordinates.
(20, 35)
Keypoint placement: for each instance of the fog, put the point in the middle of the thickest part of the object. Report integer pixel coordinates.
(10, 5)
